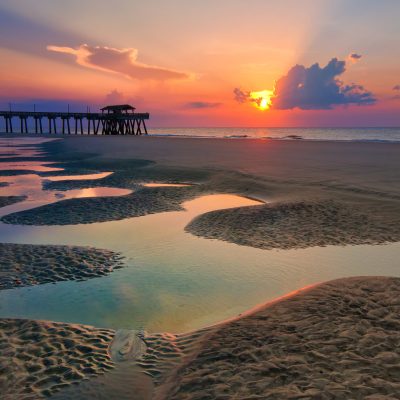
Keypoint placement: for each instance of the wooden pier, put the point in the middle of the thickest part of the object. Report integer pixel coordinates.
(112, 120)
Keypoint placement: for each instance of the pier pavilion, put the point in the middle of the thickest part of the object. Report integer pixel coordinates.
(112, 120)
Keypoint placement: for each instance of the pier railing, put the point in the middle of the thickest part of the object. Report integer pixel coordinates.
(60, 122)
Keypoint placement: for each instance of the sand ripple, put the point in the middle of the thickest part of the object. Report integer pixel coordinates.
(75, 211)
(297, 225)
(38, 358)
(25, 264)
(339, 340)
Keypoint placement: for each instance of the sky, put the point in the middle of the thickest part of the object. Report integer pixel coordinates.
(208, 63)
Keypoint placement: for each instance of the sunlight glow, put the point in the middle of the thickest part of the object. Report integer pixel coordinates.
(262, 99)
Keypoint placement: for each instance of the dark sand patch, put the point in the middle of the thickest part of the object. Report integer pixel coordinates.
(39, 358)
(8, 200)
(25, 264)
(126, 174)
(300, 224)
(15, 172)
(101, 209)
(338, 340)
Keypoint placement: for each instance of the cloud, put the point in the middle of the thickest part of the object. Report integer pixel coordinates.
(241, 96)
(317, 88)
(354, 57)
(114, 97)
(396, 87)
(244, 96)
(121, 61)
(201, 104)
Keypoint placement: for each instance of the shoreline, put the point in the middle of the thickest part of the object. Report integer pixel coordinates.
(233, 136)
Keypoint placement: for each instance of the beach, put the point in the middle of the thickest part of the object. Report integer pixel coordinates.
(318, 193)
(331, 340)
(335, 340)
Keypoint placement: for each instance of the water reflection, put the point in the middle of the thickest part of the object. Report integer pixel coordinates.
(31, 186)
(17, 147)
(99, 175)
(175, 281)
(38, 166)
(155, 184)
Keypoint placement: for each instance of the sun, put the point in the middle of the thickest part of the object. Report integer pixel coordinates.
(263, 104)
(262, 99)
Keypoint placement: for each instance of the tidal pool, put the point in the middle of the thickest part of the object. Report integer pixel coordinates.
(31, 185)
(174, 281)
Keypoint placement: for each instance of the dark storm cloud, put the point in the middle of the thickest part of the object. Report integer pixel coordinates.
(317, 88)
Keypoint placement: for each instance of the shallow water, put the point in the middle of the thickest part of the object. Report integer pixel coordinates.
(78, 177)
(37, 166)
(30, 185)
(27, 147)
(153, 184)
(173, 281)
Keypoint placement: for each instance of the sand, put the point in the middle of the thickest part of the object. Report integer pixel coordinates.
(26, 265)
(75, 211)
(8, 200)
(338, 340)
(335, 340)
(317, 193)
(342, 165)
(38, 358)
(299, 225)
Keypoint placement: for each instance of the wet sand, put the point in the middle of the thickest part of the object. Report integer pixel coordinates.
(75, 211)
(38, 358)
(317, 193)
(8, 200)
(337, 340)
(301, 224)
(26, 265)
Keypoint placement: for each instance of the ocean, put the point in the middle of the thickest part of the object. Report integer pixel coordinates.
(329, 134)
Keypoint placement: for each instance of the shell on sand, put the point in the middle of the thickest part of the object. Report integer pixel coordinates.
(127, 345)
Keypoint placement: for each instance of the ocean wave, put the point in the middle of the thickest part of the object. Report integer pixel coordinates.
(373, 135)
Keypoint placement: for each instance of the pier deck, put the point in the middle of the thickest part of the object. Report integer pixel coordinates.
(115, 122)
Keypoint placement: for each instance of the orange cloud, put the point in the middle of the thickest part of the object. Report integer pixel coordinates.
(120, 61)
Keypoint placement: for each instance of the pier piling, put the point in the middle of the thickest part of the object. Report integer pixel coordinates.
(112, 120)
